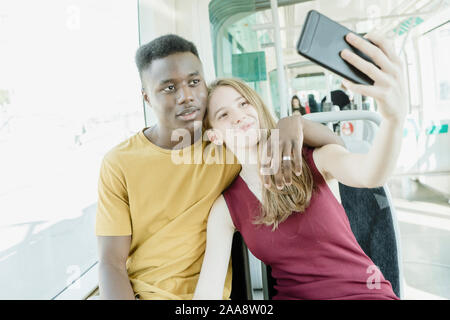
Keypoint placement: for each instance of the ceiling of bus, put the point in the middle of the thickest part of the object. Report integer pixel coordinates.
(250, 22)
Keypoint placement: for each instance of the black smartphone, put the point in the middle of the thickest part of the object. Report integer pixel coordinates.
(322, 40)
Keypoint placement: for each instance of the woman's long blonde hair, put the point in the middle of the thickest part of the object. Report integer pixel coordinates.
(277, 205)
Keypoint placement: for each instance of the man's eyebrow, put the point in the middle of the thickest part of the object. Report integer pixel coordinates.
(192, 74)
(166, 81)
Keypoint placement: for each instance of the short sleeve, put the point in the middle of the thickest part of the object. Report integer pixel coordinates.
(113, 211)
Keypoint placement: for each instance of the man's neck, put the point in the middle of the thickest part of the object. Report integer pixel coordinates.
(172, 139)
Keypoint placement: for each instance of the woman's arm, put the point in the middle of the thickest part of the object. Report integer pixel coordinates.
(372, 169)
(219, 238)
(357, 170)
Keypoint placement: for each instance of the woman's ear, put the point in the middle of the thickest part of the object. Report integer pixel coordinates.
(214, 136)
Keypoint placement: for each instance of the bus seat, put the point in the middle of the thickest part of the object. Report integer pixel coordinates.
(370, 212)
(371, 220)
(240, 285)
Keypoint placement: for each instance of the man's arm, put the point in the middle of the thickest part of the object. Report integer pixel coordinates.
(287, 150)
(317, 135)
(114, 283)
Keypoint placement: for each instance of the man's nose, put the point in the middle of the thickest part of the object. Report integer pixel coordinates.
(185, 95)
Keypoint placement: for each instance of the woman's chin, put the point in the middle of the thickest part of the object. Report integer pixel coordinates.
(243, 140)
(249, 144)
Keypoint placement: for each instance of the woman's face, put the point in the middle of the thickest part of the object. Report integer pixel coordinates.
(233, 119)
(295, 103)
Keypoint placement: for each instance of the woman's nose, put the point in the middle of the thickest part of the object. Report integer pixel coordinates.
(237, 116)
(239, 119)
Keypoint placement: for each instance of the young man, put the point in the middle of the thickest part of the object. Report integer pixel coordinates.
(152, 212)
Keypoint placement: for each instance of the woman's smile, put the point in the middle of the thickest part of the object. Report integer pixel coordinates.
(247, 125)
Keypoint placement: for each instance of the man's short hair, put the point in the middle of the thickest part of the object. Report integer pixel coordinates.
(160, 48)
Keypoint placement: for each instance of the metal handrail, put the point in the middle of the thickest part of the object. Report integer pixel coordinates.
(346, 115)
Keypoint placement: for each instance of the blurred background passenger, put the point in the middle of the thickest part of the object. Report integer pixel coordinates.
(296, 106)
(339, 98)
(313, 105)
(365, 103)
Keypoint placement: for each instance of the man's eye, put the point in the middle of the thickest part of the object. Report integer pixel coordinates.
(195, 81)
(169, 88)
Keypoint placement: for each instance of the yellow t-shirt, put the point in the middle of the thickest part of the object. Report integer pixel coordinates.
(145, 192)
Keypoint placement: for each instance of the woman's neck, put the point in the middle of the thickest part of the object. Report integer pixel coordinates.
(248, 158)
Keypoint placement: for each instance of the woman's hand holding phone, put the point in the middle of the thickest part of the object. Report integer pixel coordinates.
(389, 88)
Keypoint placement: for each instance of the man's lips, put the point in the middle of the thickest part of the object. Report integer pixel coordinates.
(188, 114)
(187, 110)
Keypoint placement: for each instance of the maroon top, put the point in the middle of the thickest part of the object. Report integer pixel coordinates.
(313, 255)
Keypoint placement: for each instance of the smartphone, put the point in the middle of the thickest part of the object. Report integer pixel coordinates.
(322, 40)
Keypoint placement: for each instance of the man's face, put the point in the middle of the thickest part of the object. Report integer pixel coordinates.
(176, 91)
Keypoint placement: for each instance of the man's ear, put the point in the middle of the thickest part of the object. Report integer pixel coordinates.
(145, 96)
(214, 136)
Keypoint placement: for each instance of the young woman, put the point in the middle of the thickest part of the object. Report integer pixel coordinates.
(302, 231)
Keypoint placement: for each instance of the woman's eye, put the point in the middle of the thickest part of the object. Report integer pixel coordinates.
(222, 115)
(244, 103)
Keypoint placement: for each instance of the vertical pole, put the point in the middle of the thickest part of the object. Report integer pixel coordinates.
(290, 91)
(139, 44)
(282, 87)
(358, 101)
(328, 79)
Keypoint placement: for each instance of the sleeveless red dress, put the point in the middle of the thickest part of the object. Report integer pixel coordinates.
(313, 255)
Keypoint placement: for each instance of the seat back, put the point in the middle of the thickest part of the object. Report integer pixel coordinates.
(369, 212)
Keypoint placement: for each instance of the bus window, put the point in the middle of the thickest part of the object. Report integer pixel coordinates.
(68, 93)
(436, 47)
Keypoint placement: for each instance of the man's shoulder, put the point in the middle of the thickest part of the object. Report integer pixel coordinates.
(123, 150)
